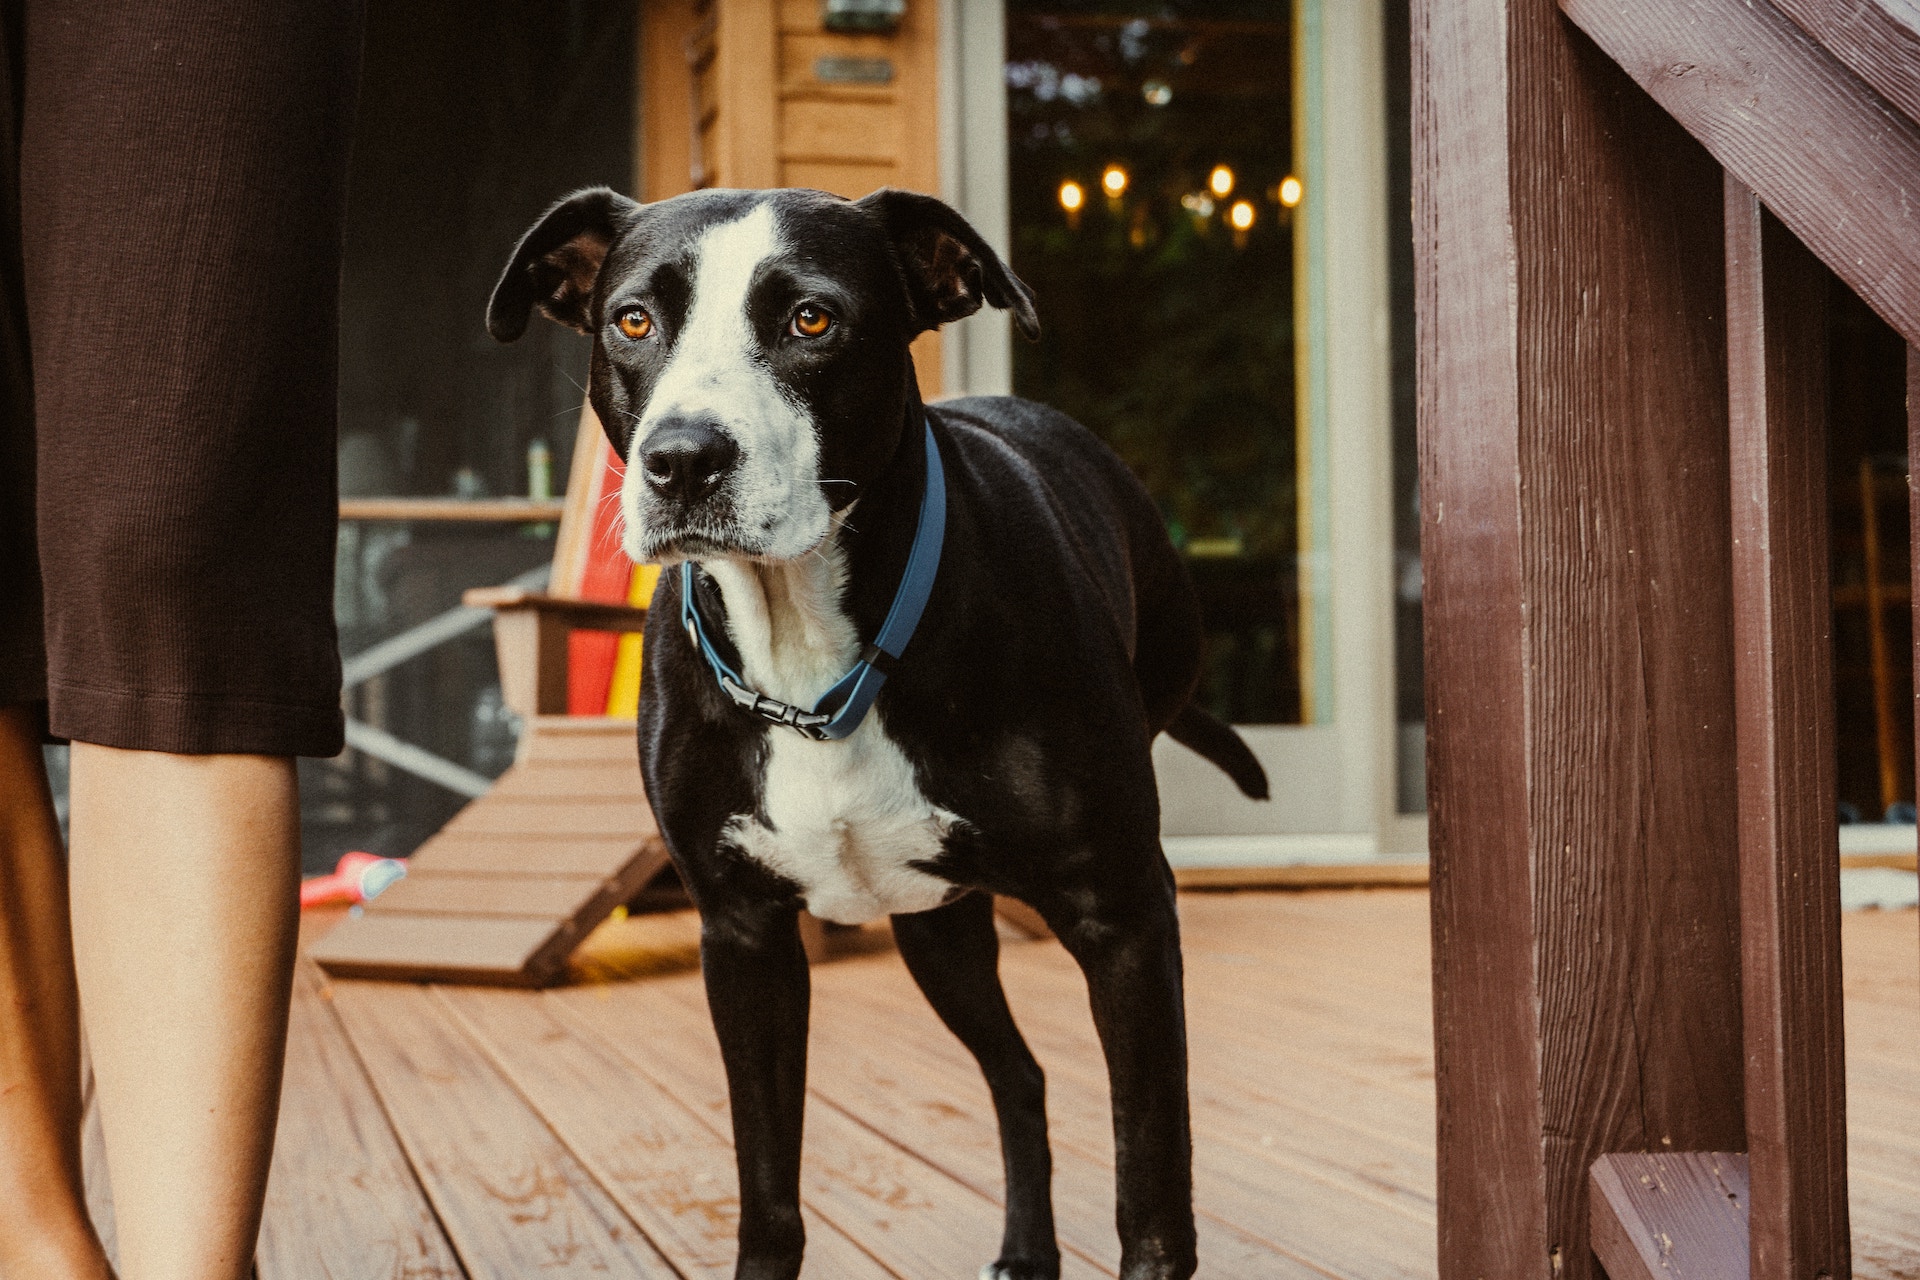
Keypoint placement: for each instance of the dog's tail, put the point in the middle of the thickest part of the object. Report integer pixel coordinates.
(1198, 731)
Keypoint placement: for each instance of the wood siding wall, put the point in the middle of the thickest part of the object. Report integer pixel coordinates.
(730, 98)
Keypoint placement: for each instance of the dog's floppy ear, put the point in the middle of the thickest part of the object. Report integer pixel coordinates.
(950, 269)
(557, 262)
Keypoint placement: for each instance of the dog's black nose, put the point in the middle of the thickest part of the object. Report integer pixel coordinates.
(687, 458)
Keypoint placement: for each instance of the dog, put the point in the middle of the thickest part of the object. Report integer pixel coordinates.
(904, 657)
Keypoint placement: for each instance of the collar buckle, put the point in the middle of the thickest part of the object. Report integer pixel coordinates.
(851, 698)
(808, 724)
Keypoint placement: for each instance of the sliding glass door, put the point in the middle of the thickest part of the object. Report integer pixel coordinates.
(1196, 192)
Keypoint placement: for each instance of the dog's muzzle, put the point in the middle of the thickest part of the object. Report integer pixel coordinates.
(685, 460)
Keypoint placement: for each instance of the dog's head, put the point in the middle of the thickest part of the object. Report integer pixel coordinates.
(750, 347)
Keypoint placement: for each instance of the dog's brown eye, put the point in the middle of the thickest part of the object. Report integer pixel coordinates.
(634, 322)
(811, 322)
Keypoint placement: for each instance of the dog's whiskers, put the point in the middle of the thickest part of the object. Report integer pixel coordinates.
(614, 534)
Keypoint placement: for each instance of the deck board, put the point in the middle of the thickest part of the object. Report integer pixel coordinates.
(831, 1252)
(943, 1114)
(669, 1169)
(1880, 965)
(587, 1126)
(1274, 1060)
(1249, 1183)
(342, 1199)
(929, 1096)
(914, 1218)
(1250, 1195)
(511, 1197)
(665, 1168)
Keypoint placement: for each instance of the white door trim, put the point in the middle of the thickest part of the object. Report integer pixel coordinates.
(1336, 777)
(977, 353)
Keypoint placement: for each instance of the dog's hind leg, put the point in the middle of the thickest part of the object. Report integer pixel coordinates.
(954, 954)
(1123, 930)
(758, 991)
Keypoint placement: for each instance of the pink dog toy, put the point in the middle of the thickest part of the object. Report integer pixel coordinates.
(357, 877)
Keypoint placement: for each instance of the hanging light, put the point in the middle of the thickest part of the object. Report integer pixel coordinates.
(1240, 218)
(1114, 181)
(1290, 191)
(1073, 198)
(1220, 181)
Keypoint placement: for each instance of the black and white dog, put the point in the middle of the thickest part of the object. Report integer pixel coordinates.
(750, 363)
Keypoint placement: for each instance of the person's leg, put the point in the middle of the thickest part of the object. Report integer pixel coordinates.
(182, 193)
(48, 1234)
(185, 879)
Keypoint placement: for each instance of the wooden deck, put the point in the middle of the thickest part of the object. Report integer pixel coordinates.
(446, 1132)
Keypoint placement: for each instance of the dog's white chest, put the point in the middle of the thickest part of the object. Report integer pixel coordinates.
(847, 824)
(844, 820)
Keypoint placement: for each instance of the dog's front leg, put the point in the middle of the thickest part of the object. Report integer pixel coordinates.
(954, 955)
(1126, 937)
(757, 991)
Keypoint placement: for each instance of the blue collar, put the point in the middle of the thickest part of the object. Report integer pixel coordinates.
(842, 708)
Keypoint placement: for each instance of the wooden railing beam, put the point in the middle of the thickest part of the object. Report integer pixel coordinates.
(1832, 160)
(1680, 1216)
(1783, 681)
(1878, 41)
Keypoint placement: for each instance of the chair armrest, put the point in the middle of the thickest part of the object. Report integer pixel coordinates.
(588, 615)
(530, 638)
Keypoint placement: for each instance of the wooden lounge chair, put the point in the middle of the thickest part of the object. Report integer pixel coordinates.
(505, 891)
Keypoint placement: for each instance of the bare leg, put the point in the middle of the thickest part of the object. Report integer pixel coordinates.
(47, 1231)
(185, 877)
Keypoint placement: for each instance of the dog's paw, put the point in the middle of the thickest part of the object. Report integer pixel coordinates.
(781, 1268)
(1016, 1270)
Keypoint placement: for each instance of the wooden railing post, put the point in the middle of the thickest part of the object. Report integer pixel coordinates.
(1570, 243)
(1783, 681)
(1913, 516)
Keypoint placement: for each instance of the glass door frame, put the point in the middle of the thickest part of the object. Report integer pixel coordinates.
(1334, 779)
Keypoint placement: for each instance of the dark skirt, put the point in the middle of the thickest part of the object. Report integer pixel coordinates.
(172, 196)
